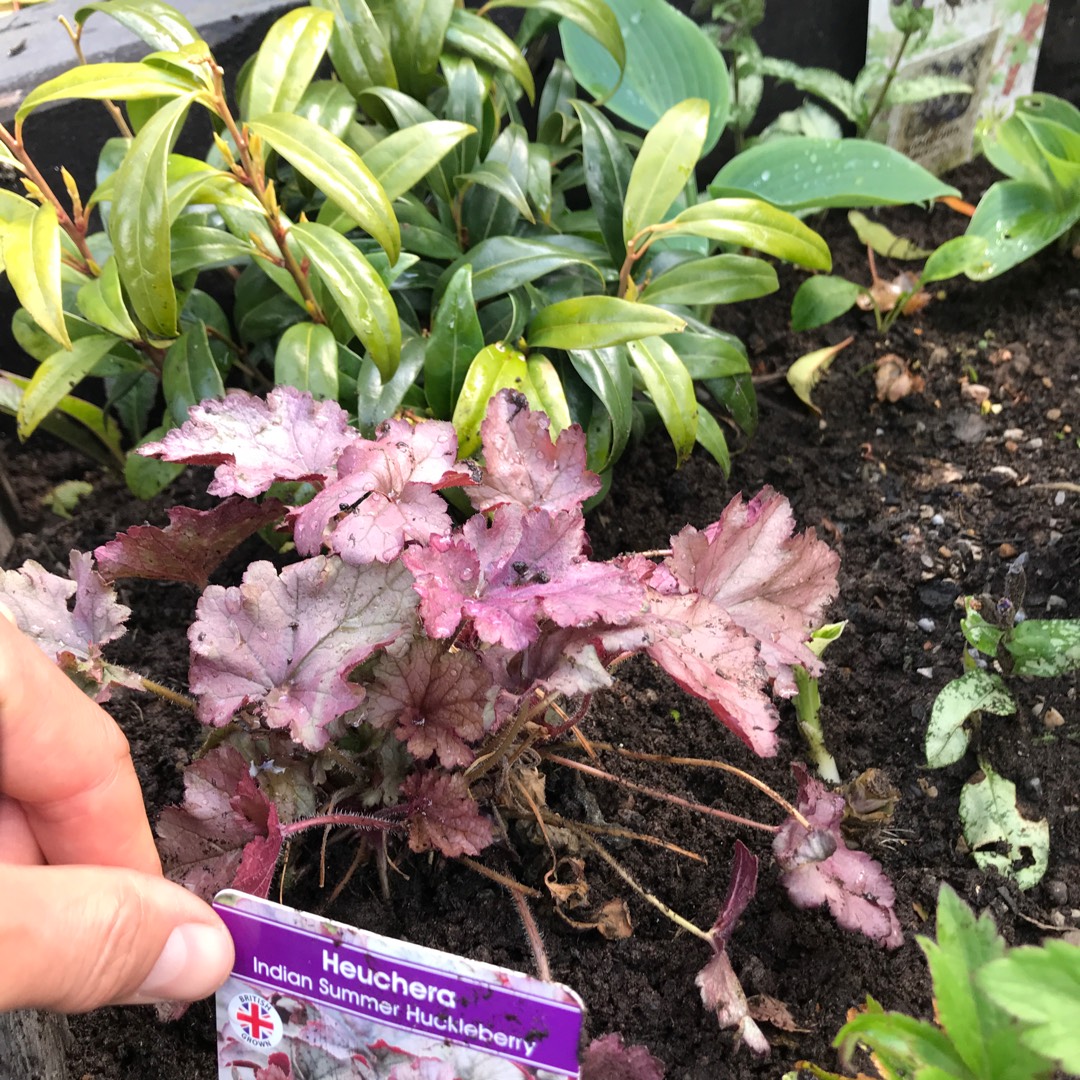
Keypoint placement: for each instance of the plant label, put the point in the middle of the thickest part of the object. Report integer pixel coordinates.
(314, 999)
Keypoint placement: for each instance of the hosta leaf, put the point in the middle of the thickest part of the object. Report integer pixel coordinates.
(671, 389)
(358, 49)
(961, 255)
(31, 251)
(595, 19)
(403, 158)
(287, 60)
(307, 358)
(822, 298)
(597, 322)
(474, 36)
(357, 289)
(101, 301)
(608, 165)
(719, 279)
(189, 374)
(957, 701)
(158, 24)
(456, 337)
(335, 170)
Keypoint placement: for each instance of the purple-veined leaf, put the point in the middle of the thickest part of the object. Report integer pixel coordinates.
(607, 1058)
(255, 443)
(435, 700)
(521, 463)
(190, 547)
(384, 494)
(525, 567)
(443, 815)
(283, 645)
(819, 868)
(560, 661)
(72, 634)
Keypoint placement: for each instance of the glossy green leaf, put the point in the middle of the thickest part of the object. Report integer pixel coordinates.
(359, 50)
(101, 301)
(1045, 647)
(31, 253)
(664, 164)
(189, 374)
(883, 240)
(671, 389)
(719, 279)
(337, 171)
(419, 33)
(330, 105)
(547, 392)
(378, 401)
(597, 322)
(201, 247)
(608, 165)
(306, 357)
(498, 179)
(147, 477)
(403, 158)
(493, 208)
(754, 224)
(710, 356)
(904, 1042)
(806, 372)
(287, 60)
(493, 369)
(423, 233)
(593, 17)
(55, 376)
(139, 221)
(799, 173)
(357, 289)
(119, 82)
(607, 374)
(474, 36)
(668, 59)
(711, 436)
(961, 255)
(158, 24)
(456, 337)
(821, 299)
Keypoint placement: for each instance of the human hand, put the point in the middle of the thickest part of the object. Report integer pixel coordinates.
(86, 918)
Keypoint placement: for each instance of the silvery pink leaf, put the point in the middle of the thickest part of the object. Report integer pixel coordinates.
(190, 547)
(443, 815)
(561, 661)
(854, 886)
(72, 634)
(607, 1058)
(226, 831)
(423, 1069)
(524, 567)
(523, 466)
(283, 645)
(434, 699)
(384, 494)
(255, 442)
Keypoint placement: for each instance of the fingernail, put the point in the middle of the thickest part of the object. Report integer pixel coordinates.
(195, 960)
(6, 612)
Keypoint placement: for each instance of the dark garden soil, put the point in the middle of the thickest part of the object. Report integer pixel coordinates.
(926, 499)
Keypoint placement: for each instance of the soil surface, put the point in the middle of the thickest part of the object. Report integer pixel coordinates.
(927, 498)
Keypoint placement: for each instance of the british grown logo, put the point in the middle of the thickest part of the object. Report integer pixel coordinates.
(255, 1020)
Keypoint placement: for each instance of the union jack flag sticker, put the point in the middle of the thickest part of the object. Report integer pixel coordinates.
(255, 1020)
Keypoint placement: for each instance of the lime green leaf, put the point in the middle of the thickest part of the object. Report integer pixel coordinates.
(669, 385)
(710, 356)
(336, 170)
(147, 477)
(711, 436)
(821, 299)
(101, 301)
(991, 819)
(883, 240)
(594, 17)
(13, 208)
(189, 374)
(956, 703)
(608, 165)
(597, 322)
(201, 247)
(359, 50)
(139, 221)
(806, 372)
(287, 61)
(664, 164)
(493, 369)
(798, 173)
(456, 338)
(424, 234)
(419, 32)
(307, 358)
(357, 289)
(902, 1042)
(548, 394)
(607, 374)
(156, 23)
(961, 255)
(119, 82)
(668, 59)
(1045, 647)
(31, 253)
(720, 279)
(56, 376)
(476, 37)
(754, 224)
(403, 158)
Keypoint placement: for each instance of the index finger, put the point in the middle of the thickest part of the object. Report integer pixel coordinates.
(63, 757)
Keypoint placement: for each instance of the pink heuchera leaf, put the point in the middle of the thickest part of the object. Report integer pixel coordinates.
(278, 1067)
(384, 495)
(72, 634)
(423, 1069)
(720, 988)
(607, 1058)
(284, 645)
(190, 547)
(443, 815)
(435, 700)
(254, 443)
(226, 831)
(523, 466)
(819, 868)
(526, 566)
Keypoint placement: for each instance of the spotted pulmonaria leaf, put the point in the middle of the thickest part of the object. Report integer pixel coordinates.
(225, 833)
(523, 466)
(72, 635)
(818, 867)
(443, 815)
(254, 443)
(525, 567)
(283, 645)
(384, 495)
(190, 547)
(607, 1058)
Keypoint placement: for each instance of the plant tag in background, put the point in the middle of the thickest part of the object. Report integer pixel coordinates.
(311, 999)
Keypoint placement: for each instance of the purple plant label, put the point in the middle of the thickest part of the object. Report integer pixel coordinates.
(317, 999)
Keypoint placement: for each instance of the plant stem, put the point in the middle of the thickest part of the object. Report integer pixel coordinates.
(889, 77)
(169, 695)
(75, 33)
(808, 710)
(532, 932)
(624, 834)
(489, 759)
(500, 879)
(343, 818)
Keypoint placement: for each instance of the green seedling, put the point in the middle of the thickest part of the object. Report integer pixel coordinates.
(808, 705)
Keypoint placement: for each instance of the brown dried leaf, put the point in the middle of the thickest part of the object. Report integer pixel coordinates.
(895, 379)
(614, 920)
(885, 295)
(573, 893)
(769, 1010)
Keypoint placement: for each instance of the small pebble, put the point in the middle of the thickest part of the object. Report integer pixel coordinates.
(1052, 718)
(1013, 433)
(1057, 919)
(1058, 892)
(1033, 444)
(1055, 603)
(1005, 472)
(1059, 499)
(1011, 446)
(1007, 551)
(937, 519)
(1053, 414)
(945, 552)
(926, 672)
(927, 561)
(927, 625)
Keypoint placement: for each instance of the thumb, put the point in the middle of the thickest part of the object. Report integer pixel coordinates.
(77, 937)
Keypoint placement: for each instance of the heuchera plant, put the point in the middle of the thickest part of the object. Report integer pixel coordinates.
(392, 677)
